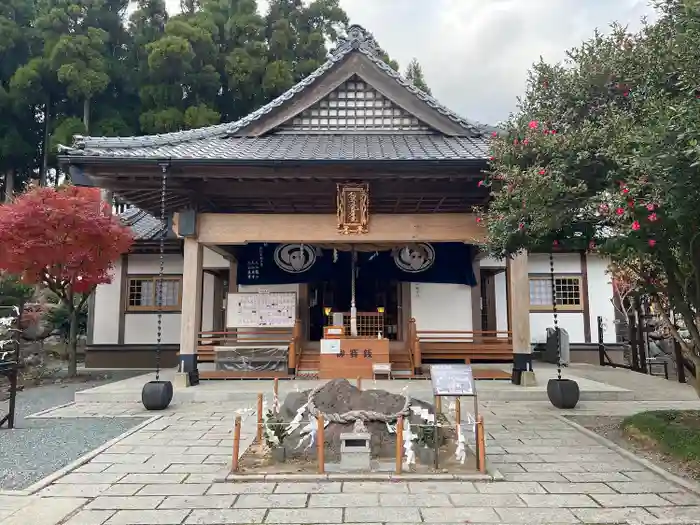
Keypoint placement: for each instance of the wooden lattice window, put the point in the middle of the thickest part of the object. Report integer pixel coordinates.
(567, 291)
(142, 293)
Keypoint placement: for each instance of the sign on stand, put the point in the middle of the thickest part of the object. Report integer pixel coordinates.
(452, 380)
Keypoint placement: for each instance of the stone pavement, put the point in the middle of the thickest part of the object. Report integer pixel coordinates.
(164, 473)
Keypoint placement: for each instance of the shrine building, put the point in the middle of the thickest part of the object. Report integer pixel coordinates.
(329, 233)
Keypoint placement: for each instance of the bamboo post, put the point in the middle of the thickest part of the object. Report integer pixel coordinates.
(438, 406)
(481, 444)
(259, 433)
(359, 383)
(236, 444)
(417, 358)
(399, 444)
(276, 387)
(458, 411)
(320, 441)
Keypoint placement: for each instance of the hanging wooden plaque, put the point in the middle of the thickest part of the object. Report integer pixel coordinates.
(353, 208)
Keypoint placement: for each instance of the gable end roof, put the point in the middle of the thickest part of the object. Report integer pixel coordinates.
(357, 39)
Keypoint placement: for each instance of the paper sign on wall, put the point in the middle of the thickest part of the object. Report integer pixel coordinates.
(261, 310)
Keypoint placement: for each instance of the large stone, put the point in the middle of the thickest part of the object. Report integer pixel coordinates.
(338, 397)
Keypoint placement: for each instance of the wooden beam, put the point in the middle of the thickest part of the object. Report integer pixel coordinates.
(519, 280)
(191, 317)
(220, 228)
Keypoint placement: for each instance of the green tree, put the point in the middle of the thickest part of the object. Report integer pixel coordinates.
(414, 74)
(604, 153)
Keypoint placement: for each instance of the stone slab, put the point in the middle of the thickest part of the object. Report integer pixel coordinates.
(225, 516)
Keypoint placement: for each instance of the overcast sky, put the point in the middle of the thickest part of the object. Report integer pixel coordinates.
(475, 53)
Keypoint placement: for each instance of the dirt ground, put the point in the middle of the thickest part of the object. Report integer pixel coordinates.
(643, 446)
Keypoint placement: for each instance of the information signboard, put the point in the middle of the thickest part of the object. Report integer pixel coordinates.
(452, 380)
(261, 310)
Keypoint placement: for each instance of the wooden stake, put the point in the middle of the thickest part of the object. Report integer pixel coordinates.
(260, 418)
(359, 383)
(320, 439)
(481, 444)
(276, 387)
(458, 411)
(399, 444)
(438, 405)
(236, 444)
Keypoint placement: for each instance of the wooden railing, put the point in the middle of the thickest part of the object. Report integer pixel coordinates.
(459, 344)
(207, 341)
(368, 324)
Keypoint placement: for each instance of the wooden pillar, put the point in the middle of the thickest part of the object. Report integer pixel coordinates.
(519, 301)
(191, 317)
(476, 299)
(233, 276)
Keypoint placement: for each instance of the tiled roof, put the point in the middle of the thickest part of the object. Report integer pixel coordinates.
(144, 225)
(314, 147)
(218, 142)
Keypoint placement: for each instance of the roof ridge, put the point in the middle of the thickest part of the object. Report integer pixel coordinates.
(356, 39)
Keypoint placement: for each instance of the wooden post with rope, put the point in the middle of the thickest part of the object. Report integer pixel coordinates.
(236, 444)
(320, 439)
(259, 432)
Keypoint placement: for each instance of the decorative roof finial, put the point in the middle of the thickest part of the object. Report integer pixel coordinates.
(357, 37)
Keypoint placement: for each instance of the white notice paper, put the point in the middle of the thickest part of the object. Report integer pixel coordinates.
(330, 346)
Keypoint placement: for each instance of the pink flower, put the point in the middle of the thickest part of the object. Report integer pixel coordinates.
(555, 243)
(542, 172)
(515, 142)
(604, 208)
(652, 243)
(479, 219)
(651, 206)
(591, 245)
(652, 217)
(625, 190)
(635, 225)
(620, 211)
(625, 93)
(553, 131)
(492, 158)
(526, 142)
(533, 124)
(480, 183)
(521, 226)
(630, 204)
(494, 134)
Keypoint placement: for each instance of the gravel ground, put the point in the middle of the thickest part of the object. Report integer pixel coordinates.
(39, 447)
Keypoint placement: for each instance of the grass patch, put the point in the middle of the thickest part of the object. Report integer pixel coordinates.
(673, 432)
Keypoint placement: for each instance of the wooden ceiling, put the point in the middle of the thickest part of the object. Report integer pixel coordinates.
(298, 192)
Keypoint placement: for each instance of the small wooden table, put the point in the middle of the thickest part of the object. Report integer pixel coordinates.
(351, 358)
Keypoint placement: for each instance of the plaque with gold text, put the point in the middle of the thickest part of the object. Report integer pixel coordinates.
(353, 208)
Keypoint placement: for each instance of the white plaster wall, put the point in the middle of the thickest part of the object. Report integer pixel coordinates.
(207, 303)
(599, 298)
(600, 294)
(149, 264)
(142, 328)
(501, 302)
(437, 306)
(563, 263)
(492, 262)
(105, 329)
(212, 260)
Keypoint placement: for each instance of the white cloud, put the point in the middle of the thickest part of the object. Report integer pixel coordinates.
(475, 53)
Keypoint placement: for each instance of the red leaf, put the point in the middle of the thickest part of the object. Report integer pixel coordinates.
(65, 238)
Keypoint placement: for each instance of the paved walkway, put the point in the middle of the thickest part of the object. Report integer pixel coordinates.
(164, 473)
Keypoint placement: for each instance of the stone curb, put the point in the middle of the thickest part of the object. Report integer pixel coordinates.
(48, 480)
(355, 477)
(48, 410)
(686, 484)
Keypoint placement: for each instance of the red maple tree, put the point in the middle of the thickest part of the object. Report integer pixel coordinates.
(65, 239)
